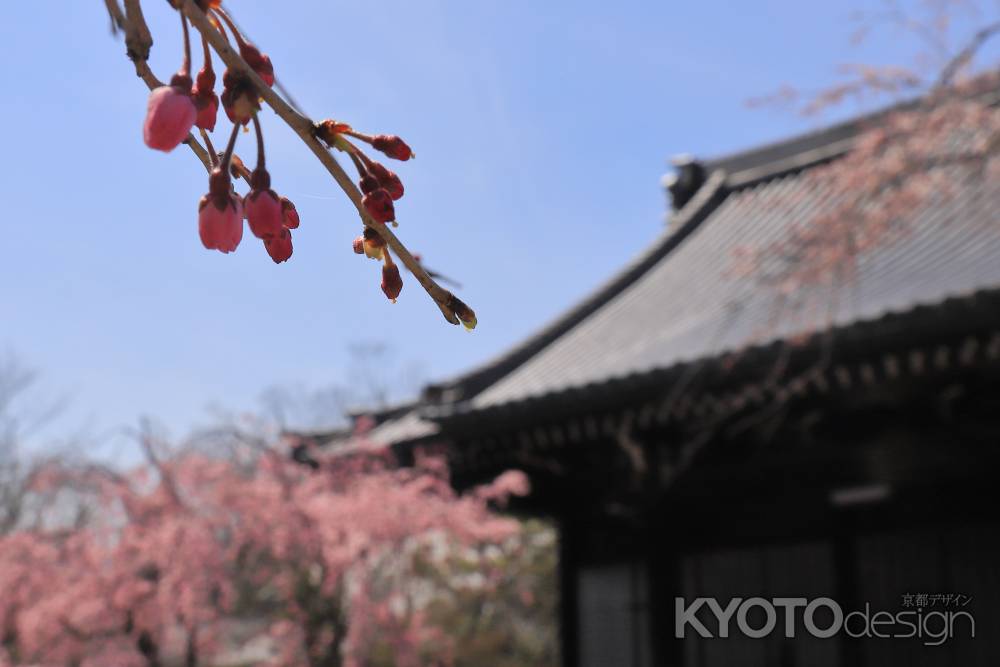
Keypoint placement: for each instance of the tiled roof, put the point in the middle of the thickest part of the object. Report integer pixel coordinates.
(681, 300)
(398, 425)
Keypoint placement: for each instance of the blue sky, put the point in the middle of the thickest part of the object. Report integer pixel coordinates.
(541, 128)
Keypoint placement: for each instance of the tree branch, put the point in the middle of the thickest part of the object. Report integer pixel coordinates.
(118, 20)
(138, 39)
(963, 57)
(305, 129)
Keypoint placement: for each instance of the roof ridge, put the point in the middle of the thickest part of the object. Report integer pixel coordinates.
(777, 158)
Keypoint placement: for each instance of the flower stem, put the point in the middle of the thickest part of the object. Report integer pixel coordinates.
(218, 26)
(260, 141)
(367, 138)
(362, 169)
(208, 55)
(218, 11)
(212, 155)
(224, 164)
(186, 66)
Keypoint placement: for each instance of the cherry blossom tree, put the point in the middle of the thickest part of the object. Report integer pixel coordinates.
(943, 129)
(183, 554)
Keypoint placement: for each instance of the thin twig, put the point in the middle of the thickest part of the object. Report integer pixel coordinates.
(963, 57)
(305, 128)
(118, 21)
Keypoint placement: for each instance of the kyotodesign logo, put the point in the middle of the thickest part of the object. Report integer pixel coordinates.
(819, 617)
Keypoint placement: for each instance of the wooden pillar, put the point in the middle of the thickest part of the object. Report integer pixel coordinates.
(663, 562)
(568, 599)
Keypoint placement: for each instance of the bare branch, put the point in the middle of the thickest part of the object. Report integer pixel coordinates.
(965, 56)
(146, 441)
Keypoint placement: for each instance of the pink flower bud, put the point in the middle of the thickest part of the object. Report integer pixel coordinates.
(259, 62)
(378, 203)
(392, 283)
(392, 146)
(239, 97)
(387, 179)
(264, 213)
(368, 183)
(220, 222)
(170, 115)
(208, 111)
(290, 216)
(279, 247)
(205, 100)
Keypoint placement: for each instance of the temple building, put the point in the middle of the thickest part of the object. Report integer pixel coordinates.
(695, 432)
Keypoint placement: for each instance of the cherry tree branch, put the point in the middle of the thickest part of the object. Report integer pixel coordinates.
(963, 57)
(305, 129)
(138, 39)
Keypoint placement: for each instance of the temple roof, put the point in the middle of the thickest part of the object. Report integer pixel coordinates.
(683, 299)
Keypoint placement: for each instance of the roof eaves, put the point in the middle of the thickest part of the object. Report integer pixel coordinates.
(384, 412)
(957, 315)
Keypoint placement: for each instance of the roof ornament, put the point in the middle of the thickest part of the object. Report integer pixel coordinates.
(682, 183)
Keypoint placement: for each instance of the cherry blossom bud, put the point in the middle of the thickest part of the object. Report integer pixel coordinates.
(264, 213)
(368, 184)
(259, 62)
(208, 111)
(378, 203)
(220, 229)
(279, 247)
(239, 106)
(205, 100)
(392, 146)
(290, 216)
(170, 115)
(387, 179)
(359, 245)
(220, 215)
(373, 243)
(392, 283)
(239, 97)
(374, 238)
